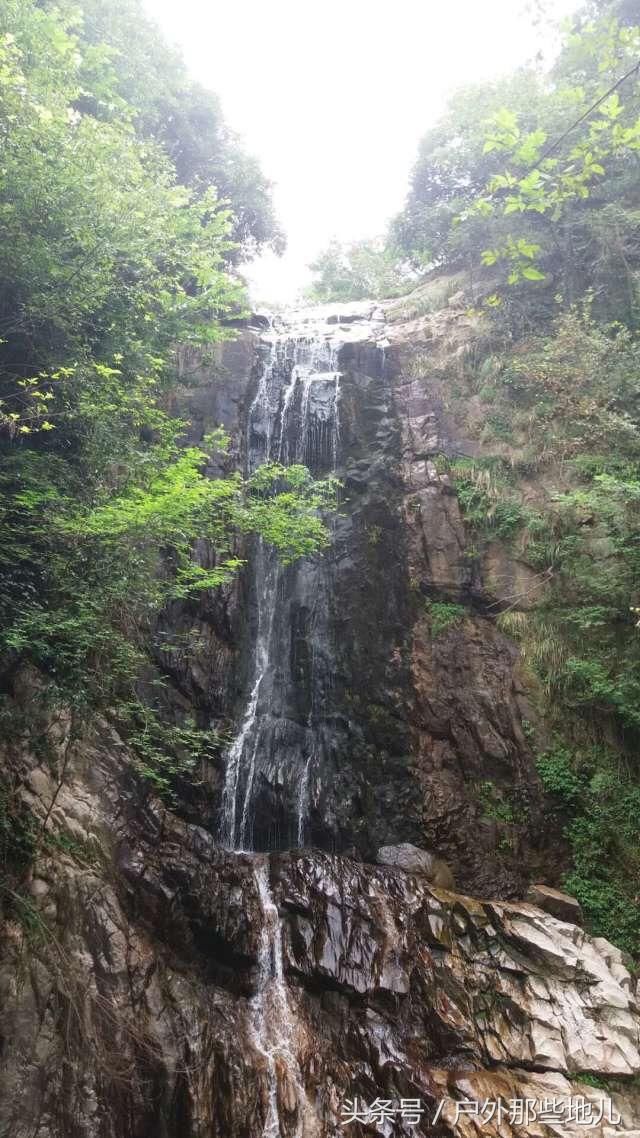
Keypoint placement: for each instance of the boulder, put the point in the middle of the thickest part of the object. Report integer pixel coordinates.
(415, 860)
(560, 905)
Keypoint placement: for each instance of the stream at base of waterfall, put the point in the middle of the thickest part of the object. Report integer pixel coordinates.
(294, 417)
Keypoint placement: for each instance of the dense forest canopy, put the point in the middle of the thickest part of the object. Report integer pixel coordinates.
(184, 118)
(124, 202)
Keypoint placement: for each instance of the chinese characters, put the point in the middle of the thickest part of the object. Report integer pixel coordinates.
(577, 1110)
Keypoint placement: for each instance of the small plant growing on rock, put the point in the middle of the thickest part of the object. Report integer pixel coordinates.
(444, 615)
(495, 806)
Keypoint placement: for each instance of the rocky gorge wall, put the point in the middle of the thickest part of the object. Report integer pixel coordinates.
(168, 986)
(413, 724)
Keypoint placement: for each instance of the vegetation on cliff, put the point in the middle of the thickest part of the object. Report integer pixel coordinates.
(530, 188)
(557, 422)
(124, 202)
(527, 194)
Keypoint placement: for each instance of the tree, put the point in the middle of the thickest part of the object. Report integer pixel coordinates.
(108, 262)
(537, 178)
(179, 114)
(358, 271)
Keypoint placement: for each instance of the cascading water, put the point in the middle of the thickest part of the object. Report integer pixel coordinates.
(272, 1023)
(284, 729)
(293, 418)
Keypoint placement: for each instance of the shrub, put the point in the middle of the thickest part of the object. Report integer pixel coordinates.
(444, 615)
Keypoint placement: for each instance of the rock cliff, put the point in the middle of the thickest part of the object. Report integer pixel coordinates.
(158, 982)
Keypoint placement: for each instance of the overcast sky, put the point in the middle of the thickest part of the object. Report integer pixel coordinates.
(333, 96)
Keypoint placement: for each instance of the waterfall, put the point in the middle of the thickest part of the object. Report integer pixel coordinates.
(272, 1024)
(293, 418)
(279, 747)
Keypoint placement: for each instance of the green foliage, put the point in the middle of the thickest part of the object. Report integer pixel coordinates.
(102, 579)
(534, 180)
(444, 615)
(494, 804)
(165, 751)
(117, 248)
(600, 804)
(558, 776)
(17, 849)
(17, 836)
(285, 505)
(183, 118)
(595, 1081)
(489, 500)
(570, 397)
(358, 271)
(452, 168)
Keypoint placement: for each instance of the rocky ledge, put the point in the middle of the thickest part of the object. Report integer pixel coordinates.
(443, 997)
(163, 986)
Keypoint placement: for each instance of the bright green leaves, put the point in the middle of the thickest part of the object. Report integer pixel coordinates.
(180, 504)
(115, 250)
(164, 510)
(192, 579)
(505, 136)
(534, 183)
(538, 157)
(529, 150)
(520, 255)
(164, 751)
(285, 506)
(505, 132)
(444, 615)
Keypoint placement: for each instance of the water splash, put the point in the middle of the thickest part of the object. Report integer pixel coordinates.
(272, 1023)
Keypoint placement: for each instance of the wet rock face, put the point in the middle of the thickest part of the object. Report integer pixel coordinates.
(322, 751)
(367, 728)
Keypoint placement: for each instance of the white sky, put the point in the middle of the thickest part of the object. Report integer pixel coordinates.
(332, 96)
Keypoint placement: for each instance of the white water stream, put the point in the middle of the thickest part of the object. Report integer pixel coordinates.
(300, 377)
(295, 418)
(273, 1025)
